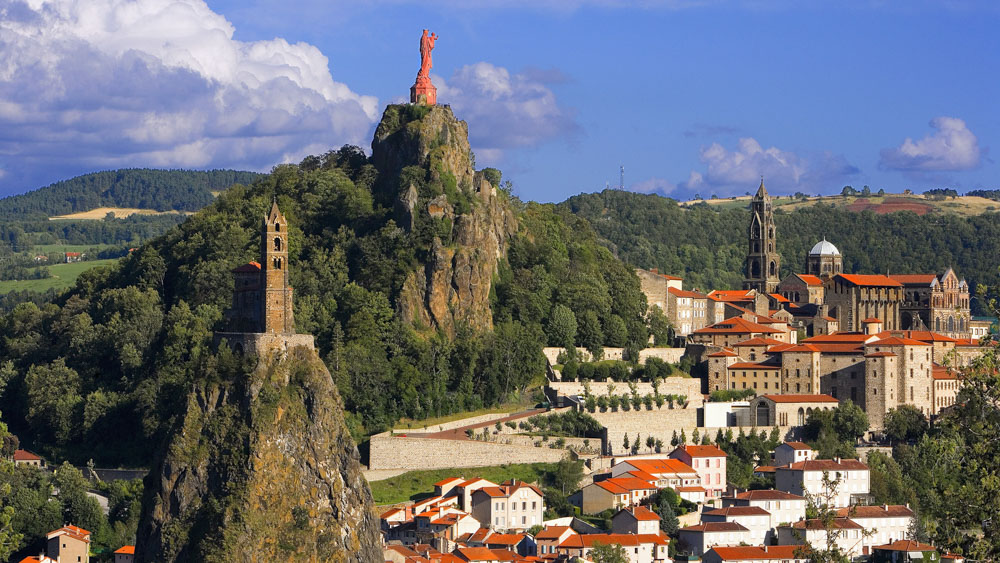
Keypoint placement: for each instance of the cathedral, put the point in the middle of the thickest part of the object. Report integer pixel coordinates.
(261, 316)
(763, 261)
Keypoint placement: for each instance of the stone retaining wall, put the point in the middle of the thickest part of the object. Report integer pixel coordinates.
(395, 452)
(669, 355)
(689, 386)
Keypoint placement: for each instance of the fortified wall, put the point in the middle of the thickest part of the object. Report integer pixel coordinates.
(400, 452)
(668, 355)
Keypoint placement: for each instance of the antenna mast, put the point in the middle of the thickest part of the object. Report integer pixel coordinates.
(621, 182)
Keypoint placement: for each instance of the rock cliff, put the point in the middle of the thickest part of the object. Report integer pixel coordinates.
(427, 176)
(261, 468)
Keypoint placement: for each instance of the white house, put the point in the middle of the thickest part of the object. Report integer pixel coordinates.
(806, 478)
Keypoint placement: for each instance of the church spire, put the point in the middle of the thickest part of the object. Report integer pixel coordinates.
(763, 261)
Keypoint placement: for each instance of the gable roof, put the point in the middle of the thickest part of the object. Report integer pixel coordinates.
(126, 550)
(715, 527)
(659, 466)
(724, 353)
(701, 451)
(869, 280)
(905, 545)
(767, 494)
(639, 513)
(796, 445)
(620, 485)
(825, 465)
(736, 325)
(897, 341)
(732, 294)
(685, 293)
(879, 511)
(756, 553)
(754, 365)
(914, 279)
(737, 511)
(801, 398)
(553, 532)
(25, 455)
(758, 341)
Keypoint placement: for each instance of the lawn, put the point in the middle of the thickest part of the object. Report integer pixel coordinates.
(414, 485)
(63, 276)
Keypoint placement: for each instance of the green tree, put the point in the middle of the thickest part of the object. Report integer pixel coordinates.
(905, 423)
(616, 333)
(659, 327)
(9, 539)
(53, 400)
(590, 335)
(608, 553)
(566, 474)
(561, 328)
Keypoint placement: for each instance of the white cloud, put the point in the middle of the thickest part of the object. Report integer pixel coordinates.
(952, 147)
(106, 83)
(504, 110)
(731, 172)
(653, 186)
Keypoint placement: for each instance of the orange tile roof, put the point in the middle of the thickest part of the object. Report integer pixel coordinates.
(801, 398)
(737, 325)
(880, 355)
(684, 293)
(641, 513)
(941, 372)
(802, 348)
(72, 531)
(25, 455)
(691, 489)
(921, 335)
(477, 554)
(877, 511)
(914, 279)
(731, 294)
(897, 341)
(126, 550)
(249, 267)
(825, 465)
(642, 475)
(839, 337)
(876, 280)
(738, 511)
(767, 494)
(758, 341)
(756, 553)
(797, 445)
(817, 524)
(905, 545)
(619, 485)
(872, 320)
(505, 539)
(810, 279)
(779, 298)
(447, 481)
(702, 451)
(715, 527)
(553, 532)
(723, 354)
(659, 466)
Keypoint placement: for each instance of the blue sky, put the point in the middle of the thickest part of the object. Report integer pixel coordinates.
(692, 97)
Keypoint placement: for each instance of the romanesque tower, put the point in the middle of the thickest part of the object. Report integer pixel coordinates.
(763, 261)
(277, 302)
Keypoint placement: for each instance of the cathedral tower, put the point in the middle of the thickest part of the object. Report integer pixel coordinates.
(763, 262)
(277, 298)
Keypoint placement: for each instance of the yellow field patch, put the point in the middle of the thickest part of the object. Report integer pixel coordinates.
(120, 213)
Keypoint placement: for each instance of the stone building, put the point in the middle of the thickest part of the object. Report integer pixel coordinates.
(261, 317)
(655, 286)
(763, 261)
(855, 297)
(938, 303)
(688, 311)
(802, 289)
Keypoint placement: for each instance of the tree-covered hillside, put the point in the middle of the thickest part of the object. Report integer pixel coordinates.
(121, 349)
(707, 246)
(142, 188)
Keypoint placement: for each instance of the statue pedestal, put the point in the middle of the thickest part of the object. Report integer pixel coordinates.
(423, 92)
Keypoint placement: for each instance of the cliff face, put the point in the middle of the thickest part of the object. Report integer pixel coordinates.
(261, 469)
(427, 173)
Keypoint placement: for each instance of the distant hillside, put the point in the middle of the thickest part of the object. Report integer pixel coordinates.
(705, 243)
(142, 188)
(973, 203)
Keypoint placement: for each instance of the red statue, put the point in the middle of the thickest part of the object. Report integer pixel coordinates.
(423, 92)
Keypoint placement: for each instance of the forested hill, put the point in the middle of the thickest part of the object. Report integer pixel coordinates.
(707, 246)
(142, 188)
(123, 347)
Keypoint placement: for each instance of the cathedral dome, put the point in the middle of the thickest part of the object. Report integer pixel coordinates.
(824, 248)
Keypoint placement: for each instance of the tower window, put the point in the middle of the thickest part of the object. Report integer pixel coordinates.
(277, 244)
(277, 263)
(277, 226)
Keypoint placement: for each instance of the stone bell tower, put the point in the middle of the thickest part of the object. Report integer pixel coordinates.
(277, 298)
(763, 262)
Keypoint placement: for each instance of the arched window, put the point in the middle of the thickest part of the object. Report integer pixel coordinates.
(277, 226)
(774, 269)
(802, 417)
(763, 414)
(755, 269)
(951, 324)
(277, 244)
(937, 324)
(277, 263)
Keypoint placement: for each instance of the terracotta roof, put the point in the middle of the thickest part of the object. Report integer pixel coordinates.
(758, 341)
(447, 481)
(702, 451)
(738, 511)
(552, 532)
(779, 298)
(723, 354)
(731, 294)
(716, 527)
(72, 531)
(801, 398)
(914, 279)
(941, 372)
(590, 540)
(691, 489)
(810, 279)
(839, 337)
(640, 513)
(817, 524)
(880, 355)
(876, 280)
(659, 466)
(872, 320)
(966, 342)
(248, 268)
(802, 348)
(391, 512)
(756, 553)
(796, 445)
(642, 475)
(619, 485)
(921, 335)
(505, 539)
(737, 325)
(880, 511)
(25, 455)
(684, 293)
(477, 554)
(753, 365)
(764, 469)
(126, 550)
(767, 494)
(897, 341)
(825, 465)
(905, 545)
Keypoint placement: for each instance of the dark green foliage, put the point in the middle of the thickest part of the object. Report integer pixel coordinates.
(705, 245)
(905, 423)
(725, 395)
(570, 423)
(833, 433)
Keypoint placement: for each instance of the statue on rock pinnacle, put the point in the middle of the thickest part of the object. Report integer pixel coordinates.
(423, 92)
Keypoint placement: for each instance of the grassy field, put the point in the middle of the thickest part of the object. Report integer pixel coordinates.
(63, 276)
(415, 485)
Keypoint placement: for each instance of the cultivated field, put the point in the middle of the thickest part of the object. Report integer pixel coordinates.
(962, 205)
(63, 276)
(120, 213)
